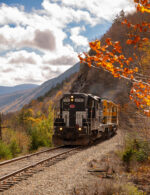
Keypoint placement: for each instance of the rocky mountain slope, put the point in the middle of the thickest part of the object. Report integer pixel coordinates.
(103, 84)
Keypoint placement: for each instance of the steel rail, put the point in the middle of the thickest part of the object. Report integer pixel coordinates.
(34, 165)
(28, 155)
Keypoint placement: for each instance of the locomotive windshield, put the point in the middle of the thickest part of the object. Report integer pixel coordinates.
(71, 102)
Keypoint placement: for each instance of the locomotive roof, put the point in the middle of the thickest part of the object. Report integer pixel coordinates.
(97, 98)
(84, 94)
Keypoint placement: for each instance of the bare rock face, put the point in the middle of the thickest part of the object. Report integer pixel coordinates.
(104, 85)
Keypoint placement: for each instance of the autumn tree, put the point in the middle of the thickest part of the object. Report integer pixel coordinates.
(111, 58)
(42, 129)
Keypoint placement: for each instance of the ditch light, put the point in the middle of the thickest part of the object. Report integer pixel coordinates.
(60, 128)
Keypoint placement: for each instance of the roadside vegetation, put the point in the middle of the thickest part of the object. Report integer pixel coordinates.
(125, 171)
(26, 131)
(31, 128)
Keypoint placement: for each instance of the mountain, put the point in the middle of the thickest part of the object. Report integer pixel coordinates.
(8, 90)
(101, 83)
(16, 100)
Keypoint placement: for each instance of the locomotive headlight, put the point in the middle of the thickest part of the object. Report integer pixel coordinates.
(79, 128)
(71, 100)
(60, 128)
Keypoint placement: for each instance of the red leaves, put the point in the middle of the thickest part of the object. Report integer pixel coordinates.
(140, 94)
(137, 39)
(136, 1)
(137, 103)
(147, 112)
(143, 6)
(134, 41)
(144, 2)
(129, 42)
(145, 39)
(148, 5)
(137, 27)
(108, 41)
(130, 59)
(117, 47)
(125, 21)
(132, 77)
(131, 97)
(136, 69)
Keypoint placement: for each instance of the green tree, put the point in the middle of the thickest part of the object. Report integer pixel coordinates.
(41, 131)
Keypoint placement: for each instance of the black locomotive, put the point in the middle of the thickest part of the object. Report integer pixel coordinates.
(84, 118)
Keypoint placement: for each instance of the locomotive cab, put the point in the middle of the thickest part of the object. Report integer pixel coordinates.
(71, 126)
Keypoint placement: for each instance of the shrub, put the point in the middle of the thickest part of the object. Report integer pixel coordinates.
(108, 188)
(41, 131)
(137, 150)
(23, 141)
(132, 190)
(17, 141)
(40, 136)
(14, 148)
(141, 156)
(127, 155)
(5, 152)
(143, 151)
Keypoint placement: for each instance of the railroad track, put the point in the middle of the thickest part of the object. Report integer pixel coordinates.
(18, 169)
(27, 156)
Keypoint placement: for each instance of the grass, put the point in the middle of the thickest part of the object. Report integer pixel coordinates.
(107, 187)
(5, 152)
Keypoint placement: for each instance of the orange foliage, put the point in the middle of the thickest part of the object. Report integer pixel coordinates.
(111, 59)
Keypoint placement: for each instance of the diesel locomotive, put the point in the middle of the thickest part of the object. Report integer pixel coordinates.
(84, 118)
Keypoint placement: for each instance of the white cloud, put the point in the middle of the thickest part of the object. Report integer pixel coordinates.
(19, 66)
(43, 34)
(63, 60)
(27, 67)
(23, 57)
(78, 39)
(28, 29)
(65, 14)
(19, 37)
(106, 9)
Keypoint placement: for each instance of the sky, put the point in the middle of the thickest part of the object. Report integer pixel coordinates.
(40, 39)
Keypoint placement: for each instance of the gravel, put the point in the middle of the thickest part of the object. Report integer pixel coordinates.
(63, 177)
(14, 166)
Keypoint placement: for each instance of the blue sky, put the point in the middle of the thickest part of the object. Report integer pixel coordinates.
(40, 39)
(28, 4)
